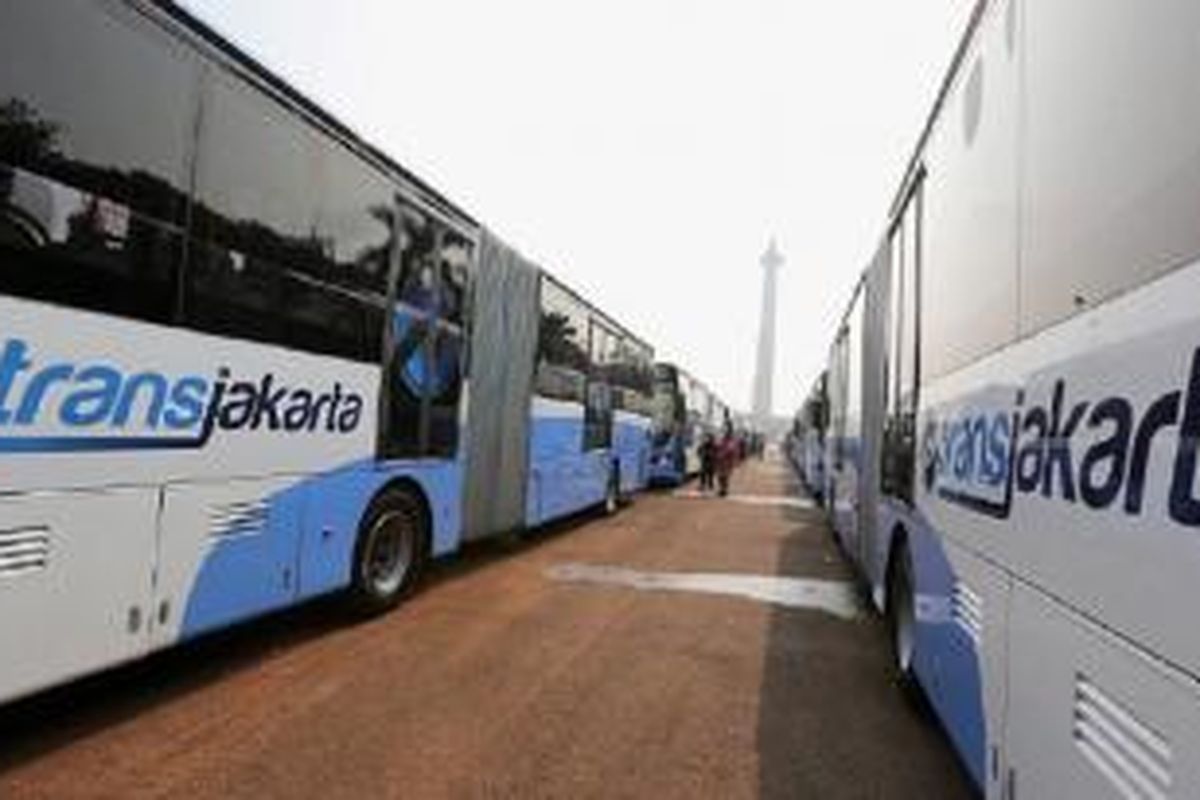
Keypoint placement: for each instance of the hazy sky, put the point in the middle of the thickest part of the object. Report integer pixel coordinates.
(643, 150)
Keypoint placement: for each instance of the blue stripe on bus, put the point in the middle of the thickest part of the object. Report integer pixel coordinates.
(87, 444)
(563, 478)
(309, 534)
(946, 658)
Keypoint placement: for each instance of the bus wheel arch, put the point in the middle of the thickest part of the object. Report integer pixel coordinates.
(900, 605)
(391, 546)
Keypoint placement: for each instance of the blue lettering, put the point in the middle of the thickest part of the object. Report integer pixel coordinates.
(157, 384)
(31, 401)
(187, 403)
(996, 471)
(89, 405)
(11, 363)
(91, 395)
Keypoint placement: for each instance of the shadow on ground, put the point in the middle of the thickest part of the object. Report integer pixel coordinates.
(36, 726)
(833, 722)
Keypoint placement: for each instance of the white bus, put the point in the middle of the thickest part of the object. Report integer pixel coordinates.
(1015, 402)
(247, 359)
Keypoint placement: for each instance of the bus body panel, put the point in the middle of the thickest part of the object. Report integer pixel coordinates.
(631, 449)
(961, 637)
(1090, 715)
(228, 551)
(232, 550)
(563, 477)
(1095, 408)
(1089, 425)
(92, 400)
(76, 584)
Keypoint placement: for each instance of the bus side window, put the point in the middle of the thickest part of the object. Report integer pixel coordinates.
(93, 159)
(290, 235)
(899, 432)
(562, 352)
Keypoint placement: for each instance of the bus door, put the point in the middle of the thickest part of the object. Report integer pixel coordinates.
(596, 465)
(425, 341)
(901, 361)
(598, 411)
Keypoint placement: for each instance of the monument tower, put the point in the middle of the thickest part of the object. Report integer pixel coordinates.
(764, 371)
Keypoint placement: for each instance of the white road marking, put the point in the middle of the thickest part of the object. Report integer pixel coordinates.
(833, 597)
(748, 499)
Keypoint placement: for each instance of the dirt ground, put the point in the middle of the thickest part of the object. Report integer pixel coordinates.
(501, 679)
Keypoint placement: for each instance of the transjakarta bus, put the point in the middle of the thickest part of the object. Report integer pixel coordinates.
(247, 359)
(1015, 397)
(684, 410)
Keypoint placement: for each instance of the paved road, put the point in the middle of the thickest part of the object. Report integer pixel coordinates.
(588, 661)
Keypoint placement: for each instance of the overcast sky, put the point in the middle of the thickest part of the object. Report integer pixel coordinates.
(643, 150)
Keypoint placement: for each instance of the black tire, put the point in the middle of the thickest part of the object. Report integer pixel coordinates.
(902, 615)
(390, 551)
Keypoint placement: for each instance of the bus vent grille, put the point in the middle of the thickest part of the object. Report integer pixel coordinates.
(242, 518)
(967, 608)
(1135, 759)
(24, 550)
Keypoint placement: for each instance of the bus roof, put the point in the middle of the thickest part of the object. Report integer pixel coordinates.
(960, 54)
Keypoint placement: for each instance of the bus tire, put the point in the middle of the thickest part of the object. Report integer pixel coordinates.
(901, 615)
(389, 552)
(612, 493)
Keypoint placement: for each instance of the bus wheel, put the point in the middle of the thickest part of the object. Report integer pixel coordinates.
(901, 614)
(612, 494)
(388, 555)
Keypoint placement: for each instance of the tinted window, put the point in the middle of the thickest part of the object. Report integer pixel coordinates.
(563, 346)
(435, 265)
(427, 353)
(96, 114)
(899, 429)
(597, 420)
(668, 401)
(322, 318)
(355, 215)
(291, 240)
(633, 366)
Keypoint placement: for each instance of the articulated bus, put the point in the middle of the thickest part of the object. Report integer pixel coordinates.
(684, 411)
(1015, 403)
(248, 359)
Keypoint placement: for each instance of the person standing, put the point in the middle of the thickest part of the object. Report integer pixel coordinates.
(727, 456)
(708, 458)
